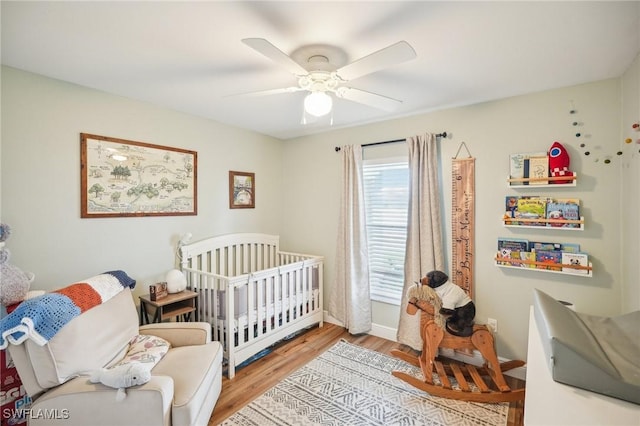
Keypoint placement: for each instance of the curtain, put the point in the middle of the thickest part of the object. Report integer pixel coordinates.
(349, 299)
(424, 250)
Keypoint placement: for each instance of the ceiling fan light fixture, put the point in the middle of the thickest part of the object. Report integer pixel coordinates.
(318, 104)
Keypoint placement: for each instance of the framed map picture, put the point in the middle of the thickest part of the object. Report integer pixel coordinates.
(121, 178)
(242, 190)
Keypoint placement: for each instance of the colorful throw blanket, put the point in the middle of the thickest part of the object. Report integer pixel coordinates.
(40, 318)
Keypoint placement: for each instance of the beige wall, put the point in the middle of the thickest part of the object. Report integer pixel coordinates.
(491, 131)
(41, 124)
(630, 200)
(297, 184)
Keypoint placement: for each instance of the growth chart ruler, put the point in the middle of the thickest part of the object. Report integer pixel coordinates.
(463, 221)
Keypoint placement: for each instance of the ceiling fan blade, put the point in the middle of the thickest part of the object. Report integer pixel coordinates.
(368, 98)
(270, 51)
(383, 58)
(267, 92)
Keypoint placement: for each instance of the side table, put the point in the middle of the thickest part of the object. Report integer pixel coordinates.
(179, 305)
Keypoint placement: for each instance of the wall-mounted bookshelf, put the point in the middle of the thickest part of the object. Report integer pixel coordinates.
(530, 265)
(537, 170)
(528, 183)
(556, 224)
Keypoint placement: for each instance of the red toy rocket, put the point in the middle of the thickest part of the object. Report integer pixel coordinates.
(559, 162)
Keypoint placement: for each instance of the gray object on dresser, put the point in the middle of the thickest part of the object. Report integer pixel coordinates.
(599, 354)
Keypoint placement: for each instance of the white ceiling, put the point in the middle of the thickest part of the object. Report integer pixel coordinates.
(188, 56)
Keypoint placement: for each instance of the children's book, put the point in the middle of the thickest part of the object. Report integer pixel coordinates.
(511, 206)
(511, 248)
(538, 245)
(513, 244)
(531, 208)
(517, 166)
(539, 170)
(577, 259)
(552, 260)
(565, 247)
(570, 248)
(563, 211)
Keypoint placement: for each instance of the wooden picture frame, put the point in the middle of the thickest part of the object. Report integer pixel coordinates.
(242, 190)
(122, 178)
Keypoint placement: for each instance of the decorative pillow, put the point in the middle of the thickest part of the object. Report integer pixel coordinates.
(145, 349)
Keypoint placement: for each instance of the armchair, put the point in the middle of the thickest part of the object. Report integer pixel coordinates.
(183, 389)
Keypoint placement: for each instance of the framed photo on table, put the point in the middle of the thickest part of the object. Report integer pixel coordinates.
(242, 190)
(121, 178)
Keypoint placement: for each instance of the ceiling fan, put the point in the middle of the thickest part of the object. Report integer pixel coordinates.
(320, 76)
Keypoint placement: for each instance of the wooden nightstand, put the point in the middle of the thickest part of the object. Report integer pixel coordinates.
(178, 305)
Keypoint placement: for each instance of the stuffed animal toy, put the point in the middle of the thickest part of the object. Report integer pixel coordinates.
(559, 162)
(15, 282)
(421, 296)
(456, 304)
(122, 376)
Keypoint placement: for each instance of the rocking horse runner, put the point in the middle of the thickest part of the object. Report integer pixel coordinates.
(435, 332)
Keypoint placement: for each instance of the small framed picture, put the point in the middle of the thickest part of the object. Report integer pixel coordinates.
(242, 190)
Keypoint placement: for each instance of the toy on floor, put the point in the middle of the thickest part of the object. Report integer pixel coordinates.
(15, 282)
(121, 377)
(438, 373)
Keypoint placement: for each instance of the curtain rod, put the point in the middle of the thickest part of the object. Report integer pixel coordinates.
(439, 135)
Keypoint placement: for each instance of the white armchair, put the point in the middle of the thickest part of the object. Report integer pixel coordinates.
(183, 389)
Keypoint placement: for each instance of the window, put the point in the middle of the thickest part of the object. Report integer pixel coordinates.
(386, 192)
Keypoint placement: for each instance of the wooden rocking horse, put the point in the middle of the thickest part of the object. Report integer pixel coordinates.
(434, 336)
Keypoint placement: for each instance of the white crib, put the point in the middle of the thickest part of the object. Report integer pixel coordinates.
(275, 294)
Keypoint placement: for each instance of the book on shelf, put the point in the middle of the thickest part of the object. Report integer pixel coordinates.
(552, 260)
(563, 210)
(576, 259)
(510, 208)
(531, 208)
(517, 166)
(529, 256)
(512, 248)
(514, 258)
(538, 170)
(565, 247)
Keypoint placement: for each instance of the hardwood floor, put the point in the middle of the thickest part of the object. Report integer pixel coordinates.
(254, 379)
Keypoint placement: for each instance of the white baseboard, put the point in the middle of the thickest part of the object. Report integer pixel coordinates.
(389, 333)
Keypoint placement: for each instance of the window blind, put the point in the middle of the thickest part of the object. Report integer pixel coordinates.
(386, 191)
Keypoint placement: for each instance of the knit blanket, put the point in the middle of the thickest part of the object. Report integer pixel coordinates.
(40, 318)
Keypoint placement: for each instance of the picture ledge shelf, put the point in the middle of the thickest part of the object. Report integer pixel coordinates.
(589, 268)
(533, 182)
(506, 220)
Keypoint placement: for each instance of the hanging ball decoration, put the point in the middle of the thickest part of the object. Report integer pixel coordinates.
(573, 111)
(607, 161)
(627, 140)
(575, 123)
(619, 153)
(635, 126)
(587, 153)
(176, 281)
(578, 135)
(582, 145)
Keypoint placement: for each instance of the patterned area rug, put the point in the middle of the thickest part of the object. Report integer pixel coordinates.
(351, 385)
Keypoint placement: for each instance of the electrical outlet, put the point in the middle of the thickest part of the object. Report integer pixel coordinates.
(492, 323)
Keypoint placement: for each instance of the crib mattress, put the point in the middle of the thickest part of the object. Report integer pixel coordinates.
(266, 312)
